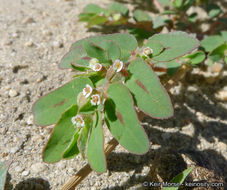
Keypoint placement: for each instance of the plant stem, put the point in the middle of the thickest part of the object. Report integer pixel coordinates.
(86, 170)
(111, 145)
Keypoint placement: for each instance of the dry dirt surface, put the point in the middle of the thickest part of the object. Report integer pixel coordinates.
(34, 35)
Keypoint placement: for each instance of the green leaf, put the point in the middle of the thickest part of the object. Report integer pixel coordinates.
(73, 57)
(95, 149)
(196, 57)
(83, 138)
(172, 67)
(225, 59)
(85, 17)
(93, 8)
(224, 35)
(4, 166)
(60, 137)
(72, 150)
(176, 44)
(48, 108)
(126, 42)
(148, 92)
(179, 178)
(213, 10)
(141, 16)
(96, 20)
(139, 33)
(122, 120)
(159, 21)
(156, 46)
(96, 51)
(118, 8)
(178, 3)
(218, 53)
(112, 49)
(209, 43)
(193, 17)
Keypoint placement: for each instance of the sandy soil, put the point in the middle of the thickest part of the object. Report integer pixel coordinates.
(34, 35)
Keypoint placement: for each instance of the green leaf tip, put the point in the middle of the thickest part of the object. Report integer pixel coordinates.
(48, 108)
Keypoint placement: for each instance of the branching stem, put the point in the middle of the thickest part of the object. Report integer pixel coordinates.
(111, 145)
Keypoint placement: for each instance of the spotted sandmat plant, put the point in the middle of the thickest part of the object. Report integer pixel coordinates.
(109, 95)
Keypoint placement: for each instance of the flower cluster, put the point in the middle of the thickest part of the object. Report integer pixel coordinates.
(117, 65)
(95, 65)
(78, 121)
(147, 51)
(95, 98)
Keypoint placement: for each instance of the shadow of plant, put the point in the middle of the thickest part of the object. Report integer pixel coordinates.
(211, 126)
(28, 184)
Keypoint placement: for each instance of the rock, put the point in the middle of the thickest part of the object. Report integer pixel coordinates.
(14, 149)
(29, 121)
(3, 130)
(57, 44)
(38, 167)
(7, 42)
(25, 173)
(221, 95)
(28, 20)
(215, 68)
(47, 32)
(29, 43)
(13, 93)
(188, 130)
(18, 169)
(15, 35)
(192, 88)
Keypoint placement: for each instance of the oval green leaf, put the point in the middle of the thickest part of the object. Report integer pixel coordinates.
(60, 137)
(196, 57)
(218, 53)
(95, 149)
(122, 120)
(84, 133)
(176, 44)
(72, 150)
(48, 108)
(126, 42)
(149, 94)
(141, 16)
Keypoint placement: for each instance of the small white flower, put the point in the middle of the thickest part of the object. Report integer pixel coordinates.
(97, 67)
(116, 16)
(92, 62)
(117, 65)
(147, 51)
(78, 121)
(95, 99)
(87, 91)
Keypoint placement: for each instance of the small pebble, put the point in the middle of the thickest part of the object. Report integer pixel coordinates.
(25, 173)
(28, 20)
(14, 150)
(18, 169)
(221, 95)
(58, 44)
(7, 42)
(29, 121)
(29, 43)
(38, 167)
(15, 35)
(13, 93)
(47, 32)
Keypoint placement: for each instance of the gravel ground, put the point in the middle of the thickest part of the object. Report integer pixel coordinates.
(34, 37)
